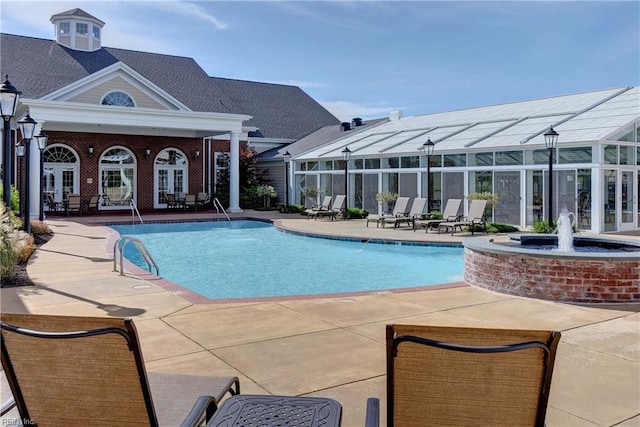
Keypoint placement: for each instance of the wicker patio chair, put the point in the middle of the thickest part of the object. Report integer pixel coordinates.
(68, 371)
(467, 376)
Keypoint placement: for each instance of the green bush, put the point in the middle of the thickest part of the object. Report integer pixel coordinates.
(356, 213)
(291, 208)
(542, 227)
(495, 227)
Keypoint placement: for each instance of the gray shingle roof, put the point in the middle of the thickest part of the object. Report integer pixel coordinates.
(280, 111)
(38, 67)
(75, 12)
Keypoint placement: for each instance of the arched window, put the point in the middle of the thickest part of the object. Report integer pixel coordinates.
(118, 99)
(117, 177)
(59, 154)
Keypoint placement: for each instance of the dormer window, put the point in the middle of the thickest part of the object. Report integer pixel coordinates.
(82, 29)
(118, 99)
(96, 32)
(64, 28)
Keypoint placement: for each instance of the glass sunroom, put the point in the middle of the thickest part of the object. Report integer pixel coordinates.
(499, 149)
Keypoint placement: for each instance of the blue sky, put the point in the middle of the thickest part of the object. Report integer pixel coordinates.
(364, 59)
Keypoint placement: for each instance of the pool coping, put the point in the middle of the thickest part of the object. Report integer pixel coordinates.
(196, 298)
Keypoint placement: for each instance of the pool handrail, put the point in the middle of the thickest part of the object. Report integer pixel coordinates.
(142, 249)
(218, 206)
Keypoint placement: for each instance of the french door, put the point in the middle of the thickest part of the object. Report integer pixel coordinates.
(169, 179)
(60, 181)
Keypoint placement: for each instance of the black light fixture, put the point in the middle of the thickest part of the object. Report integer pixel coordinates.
(196, 155)
(287, 158)
(346, 155)
(42, 138)
(147, 152)
(27, 128)
(20, 148)
(551, 141)
(9, 97)
(90, 150)
(428, 147)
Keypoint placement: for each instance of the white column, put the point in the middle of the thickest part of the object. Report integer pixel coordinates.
(234, 173)
(34, 178)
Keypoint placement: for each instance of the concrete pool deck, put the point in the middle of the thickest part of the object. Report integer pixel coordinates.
(328, 346)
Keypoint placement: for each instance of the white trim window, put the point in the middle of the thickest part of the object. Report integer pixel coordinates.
(82, 29)
(64, 28)
(96, 32)
(118, 98)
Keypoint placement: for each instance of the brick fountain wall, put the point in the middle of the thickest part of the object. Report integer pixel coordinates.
(557, 279)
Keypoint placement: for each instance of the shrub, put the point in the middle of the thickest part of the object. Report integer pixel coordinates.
(495, 227)
(291, 209)
(40, 227)
(8, 255)
(356, 213)
(542, 227)
(387, 197)
(491, 198)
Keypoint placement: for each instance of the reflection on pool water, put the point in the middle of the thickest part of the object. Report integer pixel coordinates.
(241, 259)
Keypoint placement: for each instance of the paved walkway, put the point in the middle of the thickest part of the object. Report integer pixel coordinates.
(328, 346)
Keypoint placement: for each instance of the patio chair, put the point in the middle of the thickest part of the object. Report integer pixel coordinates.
(459, 376)
(475, 218)
(399, 210)
(189, 202)
(73, 203)
(52, 205)
(172, 203)
(65, 370)
(92, 204)
(203, 200)
(450, 214)
(323, 207)
(416, 212)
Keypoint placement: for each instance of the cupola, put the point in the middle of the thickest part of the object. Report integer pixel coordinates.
(78, 30)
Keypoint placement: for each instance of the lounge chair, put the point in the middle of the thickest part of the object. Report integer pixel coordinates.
(475, 218)
(399, 210)
(416, 212)
(450, 214)
(66, 371)
(336, 207)
(323, 207)
(73, 203)
(466, 376)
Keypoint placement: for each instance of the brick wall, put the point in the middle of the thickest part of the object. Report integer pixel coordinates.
(89, 167)
(556, 279)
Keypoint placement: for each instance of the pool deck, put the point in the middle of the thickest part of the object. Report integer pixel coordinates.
(331, 346)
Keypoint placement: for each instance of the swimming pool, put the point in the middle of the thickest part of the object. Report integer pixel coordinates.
(241, 259)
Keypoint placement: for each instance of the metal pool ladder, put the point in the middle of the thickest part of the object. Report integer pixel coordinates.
(142, 249)
(218, 206)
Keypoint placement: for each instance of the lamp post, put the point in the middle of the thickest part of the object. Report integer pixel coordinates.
(20, 153)
(287, 158)
(27, 128)
(551, 140)
(428, 147)
(346, 154)
(42, 139)
(9, 96)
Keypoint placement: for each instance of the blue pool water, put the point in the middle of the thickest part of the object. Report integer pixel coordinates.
(242, 259)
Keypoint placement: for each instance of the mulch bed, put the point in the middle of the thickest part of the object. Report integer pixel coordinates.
(20, 277)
